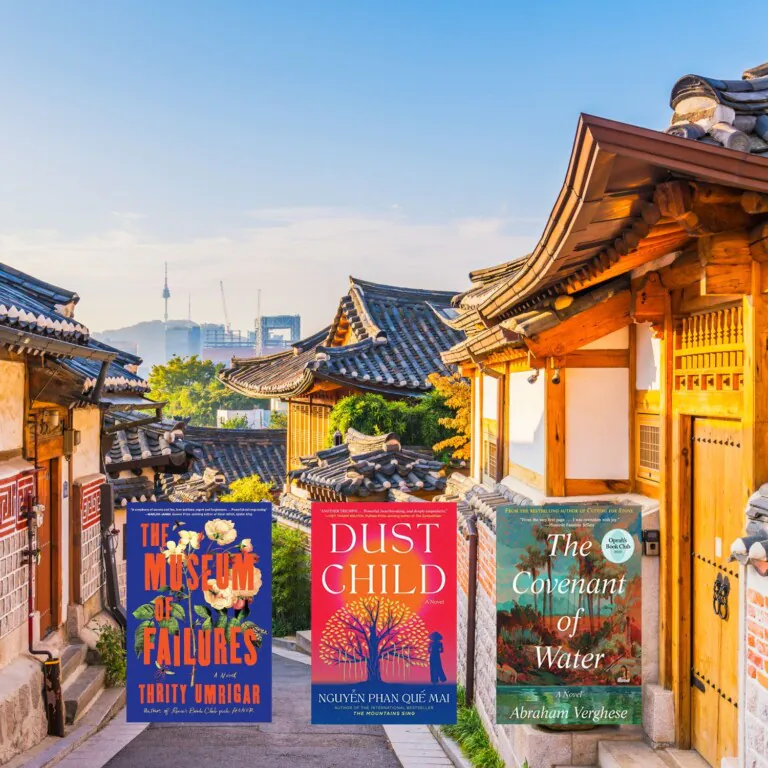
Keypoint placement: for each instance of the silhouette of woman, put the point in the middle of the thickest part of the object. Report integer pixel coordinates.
(436, 673)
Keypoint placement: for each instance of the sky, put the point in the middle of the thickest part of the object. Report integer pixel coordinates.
(286, 145)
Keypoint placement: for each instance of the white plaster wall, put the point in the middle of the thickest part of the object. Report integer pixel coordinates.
(616, 340)
(526, 442)
(11, 405)
(648, 358)
(86, 460)
(597, 423)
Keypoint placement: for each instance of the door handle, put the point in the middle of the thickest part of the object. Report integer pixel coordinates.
(720, 591)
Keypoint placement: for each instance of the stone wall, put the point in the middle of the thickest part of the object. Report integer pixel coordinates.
(756, 693)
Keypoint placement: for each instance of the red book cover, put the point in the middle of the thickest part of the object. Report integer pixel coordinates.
(384, 613)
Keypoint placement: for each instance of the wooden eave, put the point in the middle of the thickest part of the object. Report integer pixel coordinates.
(613, 171)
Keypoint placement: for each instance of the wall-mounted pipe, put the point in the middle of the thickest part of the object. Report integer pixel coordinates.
(471, 609)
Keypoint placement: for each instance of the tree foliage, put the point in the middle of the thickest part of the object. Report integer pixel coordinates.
(416, 421)
(457, 397)
(290, 581)
(278, 420)
(251, 488)
(192, 390)
(236, 422)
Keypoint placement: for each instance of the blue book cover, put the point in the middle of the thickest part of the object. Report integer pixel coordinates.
(199, 597)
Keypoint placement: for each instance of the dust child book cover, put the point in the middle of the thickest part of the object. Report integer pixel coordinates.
(199, 612)
(384, 613)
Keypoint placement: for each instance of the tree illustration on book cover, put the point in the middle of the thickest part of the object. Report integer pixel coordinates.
(384, 613)
(568, 590)
(199, 612)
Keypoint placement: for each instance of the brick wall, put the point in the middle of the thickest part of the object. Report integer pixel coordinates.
(756, 718)
(14, 578)
(88, 499)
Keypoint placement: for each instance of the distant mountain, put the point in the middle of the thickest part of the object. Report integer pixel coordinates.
(146, 339)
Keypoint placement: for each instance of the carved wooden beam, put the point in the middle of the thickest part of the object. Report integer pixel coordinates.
(704, 210)
(648, 298)
(758, 242)
(726, 263)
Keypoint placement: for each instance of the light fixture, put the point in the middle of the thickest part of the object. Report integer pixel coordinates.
(533, 378)
(556, 376)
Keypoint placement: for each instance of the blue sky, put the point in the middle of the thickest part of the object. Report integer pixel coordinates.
(286, 145)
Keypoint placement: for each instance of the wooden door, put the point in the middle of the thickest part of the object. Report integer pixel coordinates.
(44, 576)
(717, 520)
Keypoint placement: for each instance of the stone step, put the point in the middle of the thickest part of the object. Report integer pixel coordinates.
(288, 643)
(71, 659)
(81, 689)
(684, 758)
(304, 641)
(627, 754)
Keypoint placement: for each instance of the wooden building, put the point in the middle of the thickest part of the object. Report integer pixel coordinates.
(362, 468)
(55, 383)
(625, 358)
(383, 339)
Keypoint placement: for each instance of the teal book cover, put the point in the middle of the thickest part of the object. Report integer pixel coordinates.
(569, 615)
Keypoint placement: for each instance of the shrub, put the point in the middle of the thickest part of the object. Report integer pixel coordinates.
(111, 648)
(246, 489)
(469, 732)
(416, 421)
(290, 581)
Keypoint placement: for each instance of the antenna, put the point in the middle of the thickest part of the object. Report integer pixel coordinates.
(259, 340)
(166, 293)
(224, 304)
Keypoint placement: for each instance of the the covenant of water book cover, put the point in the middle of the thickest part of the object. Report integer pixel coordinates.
(569, 615)
(199, 612)
(384, 613)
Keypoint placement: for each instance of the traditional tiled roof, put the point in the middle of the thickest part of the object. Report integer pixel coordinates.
(383, 339)
(35, 306)
(366, 465)
(121, 375)
(199, 487)
(295, 511)
(133, 489)
(728, 113)
(239, 453)
(159, 443)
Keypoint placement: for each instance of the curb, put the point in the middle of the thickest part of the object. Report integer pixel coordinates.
(450, 747)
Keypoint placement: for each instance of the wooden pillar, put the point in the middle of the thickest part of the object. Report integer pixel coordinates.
(666, 449)
(755, 404)
(554, 395)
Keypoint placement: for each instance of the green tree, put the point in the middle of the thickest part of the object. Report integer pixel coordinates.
(278, 420)
(290, 581)
(192, 390)
(236, 422)
(251, 488)
(416, 421)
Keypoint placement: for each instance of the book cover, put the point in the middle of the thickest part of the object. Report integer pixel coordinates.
(568, 590)
(384, 613)
(199, 612)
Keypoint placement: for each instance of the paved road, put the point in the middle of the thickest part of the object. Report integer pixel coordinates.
(288, 741)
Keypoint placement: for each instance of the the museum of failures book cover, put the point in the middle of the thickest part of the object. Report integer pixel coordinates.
(199, 612)
(568, 591)
(384, 613)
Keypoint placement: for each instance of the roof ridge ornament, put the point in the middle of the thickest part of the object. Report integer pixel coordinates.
(761, 70)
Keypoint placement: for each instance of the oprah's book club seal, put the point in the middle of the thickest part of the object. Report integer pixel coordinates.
(199, 612)
(568, 586)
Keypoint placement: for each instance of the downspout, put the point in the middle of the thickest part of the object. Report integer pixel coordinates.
(54, 703)
(471, 609)
(107, 526)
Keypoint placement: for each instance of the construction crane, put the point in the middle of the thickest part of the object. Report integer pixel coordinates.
(224, 304)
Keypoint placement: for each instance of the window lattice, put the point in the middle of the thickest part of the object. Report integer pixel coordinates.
(649, 447)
